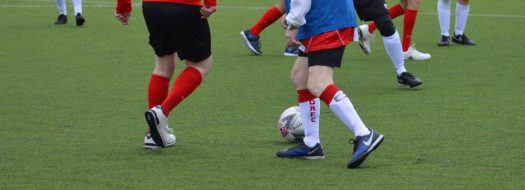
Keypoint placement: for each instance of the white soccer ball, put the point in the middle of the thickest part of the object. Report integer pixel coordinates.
(291, 125)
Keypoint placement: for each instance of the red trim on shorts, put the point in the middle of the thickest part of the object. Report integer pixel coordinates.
(211, 3)
(329, 40)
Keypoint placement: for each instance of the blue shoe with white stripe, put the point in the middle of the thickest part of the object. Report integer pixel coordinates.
(251, 41)
(303, 151)
(363, 146)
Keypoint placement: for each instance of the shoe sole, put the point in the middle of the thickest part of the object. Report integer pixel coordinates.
(290, 54)
(360, 161)
(409, 86)
(303, 157)
(361, 42)
(462, 43)
(153, 126)
(447, 44)
(151, 146)
(412, 58)
(247, 42)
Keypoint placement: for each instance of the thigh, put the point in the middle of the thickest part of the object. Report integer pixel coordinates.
(369, 10)
(299, 73)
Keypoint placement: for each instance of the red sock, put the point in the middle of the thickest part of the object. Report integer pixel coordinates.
(408, 27)
(328, 94)
(395, 11)
(157, 90)
(269, 17)
(184, 85)
(304, 95)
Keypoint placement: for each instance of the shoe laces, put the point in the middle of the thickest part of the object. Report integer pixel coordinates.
(409, 75)
(415, 51)
(169, 129)
(465, 38)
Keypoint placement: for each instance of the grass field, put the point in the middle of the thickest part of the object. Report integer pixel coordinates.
(72, 101)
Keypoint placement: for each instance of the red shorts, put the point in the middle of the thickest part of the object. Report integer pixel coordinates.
(330, 40)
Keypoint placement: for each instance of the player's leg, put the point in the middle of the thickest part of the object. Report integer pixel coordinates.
(395, 11)
(78, 12)
(160, 79)
(158, 91)
(62, 12)
(186, 82)
(393, 47)
(251, 36)
(380, 15)
(163, 21)
(309, 107)
(321, 84)
(462, 12)
(194, 46)
(268, 18)
(411, 10)
(443, 9)
(370, 11)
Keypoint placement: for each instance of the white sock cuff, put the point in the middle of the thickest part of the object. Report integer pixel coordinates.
(392, 37)
(444, 2)
(462, 7)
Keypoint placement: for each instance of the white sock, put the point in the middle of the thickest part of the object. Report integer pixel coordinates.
(395, 51)
(444, 16)
(344, 109)
(310, 112)
(78, 6)
(61, 6)
(462, 12)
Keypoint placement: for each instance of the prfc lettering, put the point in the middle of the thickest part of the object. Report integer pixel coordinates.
(312, 111)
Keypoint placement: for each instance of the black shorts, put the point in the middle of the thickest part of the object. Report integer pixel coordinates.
(175, 27)
(368, 10)
(327, 57)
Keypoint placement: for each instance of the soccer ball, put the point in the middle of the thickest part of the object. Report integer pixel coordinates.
(291, 125)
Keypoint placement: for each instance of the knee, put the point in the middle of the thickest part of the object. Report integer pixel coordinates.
(385, 25)
(203, 66)
(280, 5)
(299, 79)
(315, 87)
(164, 66)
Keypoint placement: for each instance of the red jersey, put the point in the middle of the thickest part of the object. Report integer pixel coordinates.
(124, 6)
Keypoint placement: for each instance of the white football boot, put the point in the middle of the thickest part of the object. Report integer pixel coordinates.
(413, 53)
(158, 125)
(150, 144)
(365, 38)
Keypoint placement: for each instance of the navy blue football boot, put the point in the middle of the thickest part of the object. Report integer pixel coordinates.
(462, 39)
(252, 42)
(408, 79)
(363, 146)
(303, 151)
